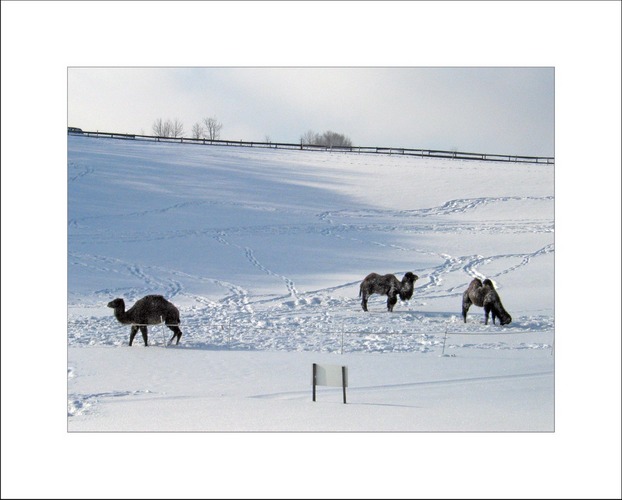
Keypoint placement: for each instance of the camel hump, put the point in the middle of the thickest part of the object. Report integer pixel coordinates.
(154, 297)
(153, 306)
(155, 300)
(488, 282)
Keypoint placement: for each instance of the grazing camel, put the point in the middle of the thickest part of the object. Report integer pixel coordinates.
(387, 285)
(150, 310)
(484, 295)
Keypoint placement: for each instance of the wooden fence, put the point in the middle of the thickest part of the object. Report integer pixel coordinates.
(426, 153)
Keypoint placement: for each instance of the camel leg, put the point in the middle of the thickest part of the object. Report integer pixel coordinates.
(143, 330)
(466, 304)
(176, 333)
(364, 302)
(133, 332)
(487, 312)
(391, 301)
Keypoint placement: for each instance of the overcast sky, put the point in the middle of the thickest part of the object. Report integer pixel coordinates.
(505, 110)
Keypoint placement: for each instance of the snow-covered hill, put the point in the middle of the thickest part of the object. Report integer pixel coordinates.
(263, 252)
(265, 249)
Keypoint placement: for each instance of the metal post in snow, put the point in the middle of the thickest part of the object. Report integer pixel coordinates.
(163, 331)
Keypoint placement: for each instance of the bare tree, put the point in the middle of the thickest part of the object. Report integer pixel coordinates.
(160, 128)
(177, 128)
(212, 128)
(168, 128)
(197, 131)
(328, 139)
(309, 137)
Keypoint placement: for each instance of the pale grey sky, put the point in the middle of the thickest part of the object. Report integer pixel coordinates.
(503, 110)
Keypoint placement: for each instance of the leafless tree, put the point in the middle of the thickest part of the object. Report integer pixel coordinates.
(160, 128)
(197, 131)
(309, 137)
(328, 138)
(168, 128)
(212, 128)
(177, 128)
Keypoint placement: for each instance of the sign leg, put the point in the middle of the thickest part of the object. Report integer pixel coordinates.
(314, 379)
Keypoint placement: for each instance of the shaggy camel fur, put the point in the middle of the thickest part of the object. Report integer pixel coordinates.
(150, 310)
(387, 285)
(484, 295)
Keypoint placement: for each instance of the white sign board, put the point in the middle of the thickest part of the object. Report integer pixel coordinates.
(331, 375)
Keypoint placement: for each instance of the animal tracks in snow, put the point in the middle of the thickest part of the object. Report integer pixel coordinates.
(81, 404)
(288, 282)
(261, 252)
(416, 221)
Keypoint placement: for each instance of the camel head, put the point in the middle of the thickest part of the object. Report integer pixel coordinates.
(409, 278)
(504, 317)
(408, 285)
(117, 303)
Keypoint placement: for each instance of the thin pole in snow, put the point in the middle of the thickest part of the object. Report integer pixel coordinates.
(314, 379)
(163, 331)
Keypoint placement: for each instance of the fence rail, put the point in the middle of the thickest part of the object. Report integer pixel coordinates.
(425, 153)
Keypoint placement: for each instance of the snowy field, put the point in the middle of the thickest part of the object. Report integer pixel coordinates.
(263, 252)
